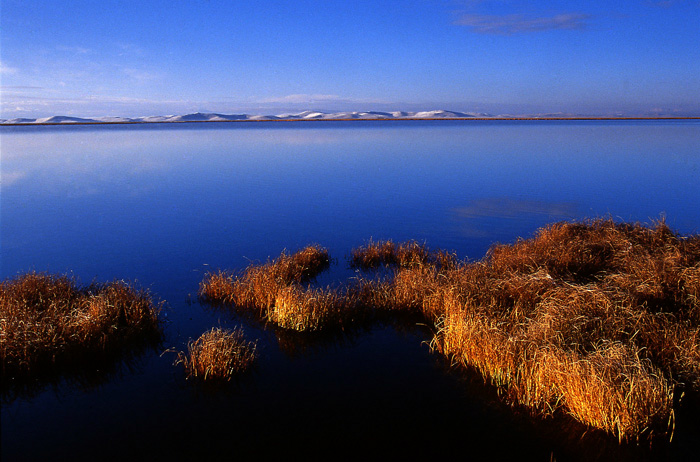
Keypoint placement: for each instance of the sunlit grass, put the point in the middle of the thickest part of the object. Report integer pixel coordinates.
(48, 319)
(597, 319)
(404, 254)
(258, 286)
(306, 309)
(218, 354)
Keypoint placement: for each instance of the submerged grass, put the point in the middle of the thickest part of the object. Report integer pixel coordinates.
(218, 354)
(47, 320)
(597, 319)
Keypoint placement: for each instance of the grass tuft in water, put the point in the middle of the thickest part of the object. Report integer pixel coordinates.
(218, 354)
(404, 254)
(594, 319)
(597, 319)
(258, 286)
(48, 320)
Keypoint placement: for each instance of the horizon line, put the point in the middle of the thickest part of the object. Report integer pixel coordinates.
(389, 119)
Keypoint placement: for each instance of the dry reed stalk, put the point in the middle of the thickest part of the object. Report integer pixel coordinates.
(373, 255)
(258, 286)
(690, 280)
(478, 342)
(218, 287)
(306, 309)
(47, 319)
(312, 309)
(613, 389)
(365, 295)
(218, 354)
(412, 285)
(387, 253)
(597, 319)
(610, 389)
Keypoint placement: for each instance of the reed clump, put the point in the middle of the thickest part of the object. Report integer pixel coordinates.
(258, 285)
(307, 309)
(48, 319)
(404, 254)
(278, 290)
(218, 354)
(596, 319)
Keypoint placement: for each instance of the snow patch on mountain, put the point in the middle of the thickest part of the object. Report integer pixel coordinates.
(215, 117)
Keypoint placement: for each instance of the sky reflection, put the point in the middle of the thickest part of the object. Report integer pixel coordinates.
(123, 202)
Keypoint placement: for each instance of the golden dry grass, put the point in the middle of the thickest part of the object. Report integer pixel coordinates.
(47, 319)
(258, 285)
(596, 319)
(404, 254)
(306, 309)
(218, 354)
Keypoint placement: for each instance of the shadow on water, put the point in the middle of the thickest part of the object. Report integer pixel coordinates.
(443, 410)
(372, 390)
(84, 371)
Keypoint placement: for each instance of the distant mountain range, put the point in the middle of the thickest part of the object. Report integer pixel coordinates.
(306, 115)
(214, 117)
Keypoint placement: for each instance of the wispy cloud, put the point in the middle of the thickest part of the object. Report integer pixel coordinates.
(19, 87)
(672, 3)
(664, 4)
(78, 50)
(5, 69)
(130, 49)
(518, 24)
(10, 178)
(49, 103)
(304, 99)
(308, 101)
(141, 76)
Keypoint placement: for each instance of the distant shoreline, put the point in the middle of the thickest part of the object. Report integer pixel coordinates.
(533, 118)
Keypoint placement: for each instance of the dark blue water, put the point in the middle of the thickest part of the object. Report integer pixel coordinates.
(163, 204)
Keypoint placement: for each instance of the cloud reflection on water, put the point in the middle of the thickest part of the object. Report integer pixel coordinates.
(506, 207)
(476, 219)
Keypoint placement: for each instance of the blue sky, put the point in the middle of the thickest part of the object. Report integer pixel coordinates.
(134, 58)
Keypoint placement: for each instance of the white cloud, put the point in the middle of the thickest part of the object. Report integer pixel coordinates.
(140, 75)
(9, 178)
(48, 104)
(130, 49)
(74, 49)
(5, 69)
(517, 23)
(303, 99)
(309, 101)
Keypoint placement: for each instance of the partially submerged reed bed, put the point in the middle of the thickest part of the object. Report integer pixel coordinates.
(275, 290)
(258, 285)
(47, 320)
(403, 254)
(281, 293)
(597, 319)
(218, 354)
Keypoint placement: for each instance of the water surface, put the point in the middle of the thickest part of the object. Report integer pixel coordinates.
(163, 204)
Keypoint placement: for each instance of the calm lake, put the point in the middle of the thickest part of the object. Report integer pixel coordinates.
(163, 204)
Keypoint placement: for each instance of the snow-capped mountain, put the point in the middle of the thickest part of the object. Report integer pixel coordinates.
(213, 117)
